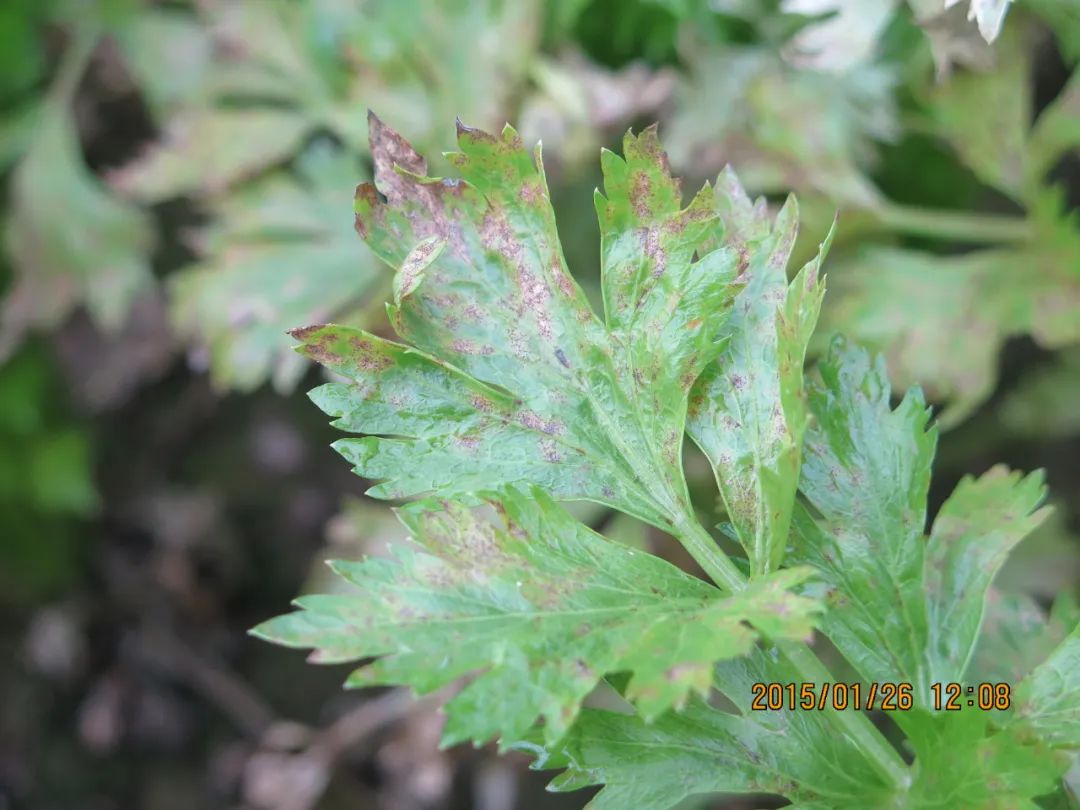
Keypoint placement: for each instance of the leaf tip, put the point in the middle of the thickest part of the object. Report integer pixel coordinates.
(304, 333)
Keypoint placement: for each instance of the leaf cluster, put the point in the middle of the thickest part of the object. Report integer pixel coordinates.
(509, 393)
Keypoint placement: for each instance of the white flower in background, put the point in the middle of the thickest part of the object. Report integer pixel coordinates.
(987, 14)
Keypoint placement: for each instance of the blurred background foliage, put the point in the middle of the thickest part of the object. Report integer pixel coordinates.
(177, 182)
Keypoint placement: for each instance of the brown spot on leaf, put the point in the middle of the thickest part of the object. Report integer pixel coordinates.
(655, 253)
(365, 193)
(305, 332)
(535, 296)
(531, 420)
(320, 353)
(550, 451)
(463, 346)
(470, 444)
(562, 279)
(679, 672)
(640, 189)
(368, 358)
(481, 403)
(531, 193)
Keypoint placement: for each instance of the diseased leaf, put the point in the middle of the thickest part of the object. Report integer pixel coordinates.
(260, 99)
(284, 71)
(706, 750)
(943, 319)
(785, 129)
(747, 410)
(419, 74)
(986, 115)
(544, 607)
(703, 750)
(900, 607)
(98, 255)
(539, 391)
(932, 315)
(207, 151)
(508, 391)
(793, 753)
(973, 532)
(280, 78)
(281, 252)
(866, 470)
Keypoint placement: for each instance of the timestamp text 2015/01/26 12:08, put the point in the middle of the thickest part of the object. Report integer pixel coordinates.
(886, 697)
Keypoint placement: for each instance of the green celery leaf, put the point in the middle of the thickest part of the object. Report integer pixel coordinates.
(1047, 702)
(1017, 635)
(168, 52)
(901, 607)
(866, 470)
(1057, 129)
(544, 607)
(747, 411)
(703, 749)
(974, 531)
(248, 288)
(513, 379)
(960, 762)
(1063, 18)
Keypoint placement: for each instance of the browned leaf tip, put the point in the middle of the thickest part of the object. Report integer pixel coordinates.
(388, 149)
(462, 129)
(303, 333)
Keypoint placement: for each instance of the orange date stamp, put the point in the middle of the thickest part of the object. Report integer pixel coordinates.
(885, 697)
